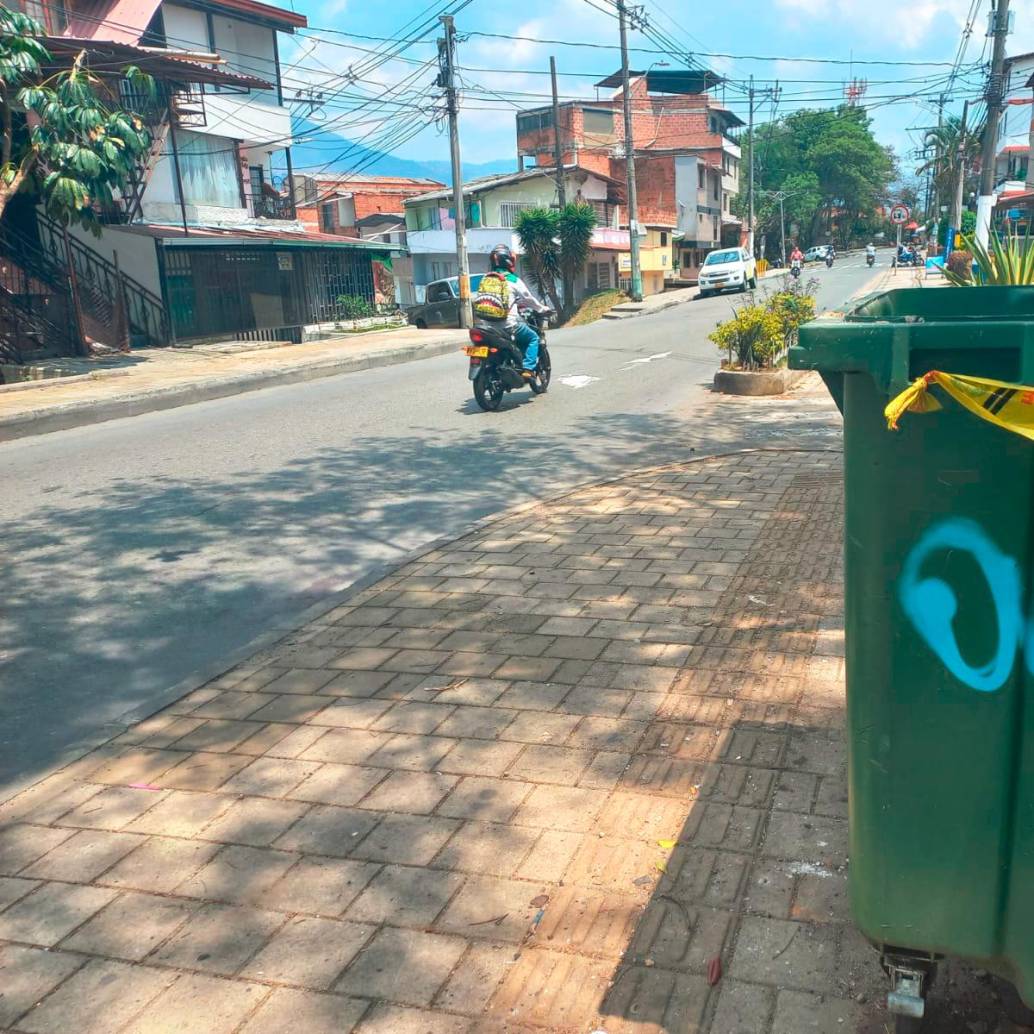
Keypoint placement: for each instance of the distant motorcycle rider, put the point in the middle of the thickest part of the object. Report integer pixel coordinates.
(501, 296)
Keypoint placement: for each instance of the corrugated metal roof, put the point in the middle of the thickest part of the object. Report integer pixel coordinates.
(277, 236)
(125, 21)
(483, 183)
(177, 67)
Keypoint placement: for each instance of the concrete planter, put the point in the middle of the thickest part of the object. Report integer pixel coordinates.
(752, 382)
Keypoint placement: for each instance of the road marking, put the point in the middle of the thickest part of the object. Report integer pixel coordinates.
(648, 359)
(579, 380)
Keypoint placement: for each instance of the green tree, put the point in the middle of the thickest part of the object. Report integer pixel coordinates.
(949, 147)
(63, 139)
(537, 231)
(851, 170)
(556, 244)
(575, 223)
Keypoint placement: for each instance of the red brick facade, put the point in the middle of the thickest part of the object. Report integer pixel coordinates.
(666, 125)
(362, 196)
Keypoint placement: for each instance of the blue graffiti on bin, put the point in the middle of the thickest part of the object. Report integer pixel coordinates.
(931, 604)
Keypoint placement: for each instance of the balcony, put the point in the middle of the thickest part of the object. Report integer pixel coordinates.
(269, 206)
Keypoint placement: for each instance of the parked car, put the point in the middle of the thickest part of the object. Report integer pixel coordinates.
(817, 254)
(726, 268)
(441, 305)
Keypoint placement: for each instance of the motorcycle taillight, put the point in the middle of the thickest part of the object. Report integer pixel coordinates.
(477, 337)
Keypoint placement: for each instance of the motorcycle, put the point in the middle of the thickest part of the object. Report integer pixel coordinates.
(795, 268)
(829, 261)
(496, 362)
(870, 260)
(908, 257)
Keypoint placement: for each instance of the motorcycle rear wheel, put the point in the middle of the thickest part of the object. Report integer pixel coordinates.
(488, 390)
(544, 370)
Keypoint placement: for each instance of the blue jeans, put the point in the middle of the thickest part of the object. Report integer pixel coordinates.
(525, 338)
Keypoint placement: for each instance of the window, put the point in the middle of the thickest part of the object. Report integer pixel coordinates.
(598, 121)
(598, 276)
(327, 216)
(208, 170)
(51, 16)
(510, 210)
(664, 238)
(531, 121)
(716, 186)
(720, 258)
(700, 177)
(604, 213)
(439, 293)
(428, 217)
(714, 124)
(441, 270)
(725, 202)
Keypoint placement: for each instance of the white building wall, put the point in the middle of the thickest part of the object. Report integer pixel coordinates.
(185, 28)
(137, 257)
(1015, 126)
(254, 117)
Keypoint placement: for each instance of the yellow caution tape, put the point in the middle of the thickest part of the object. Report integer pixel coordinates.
(1010, 406)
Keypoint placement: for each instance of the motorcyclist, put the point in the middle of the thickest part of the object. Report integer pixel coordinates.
(503, 263)
(870, 250)
(796, 255)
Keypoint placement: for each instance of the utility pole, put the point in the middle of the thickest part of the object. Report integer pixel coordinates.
(935, 208)
(995, 96)
(633, 203)
(782, 229)
(955, 225)
(750, 172)
(447, 79)
(558, 154)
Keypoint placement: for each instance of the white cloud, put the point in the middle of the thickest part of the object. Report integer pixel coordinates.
(898, 26)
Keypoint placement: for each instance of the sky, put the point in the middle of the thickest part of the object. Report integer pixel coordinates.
(790, 42)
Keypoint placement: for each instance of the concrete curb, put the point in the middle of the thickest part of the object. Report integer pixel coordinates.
(619, 313)
(80, 414)
(339, 597)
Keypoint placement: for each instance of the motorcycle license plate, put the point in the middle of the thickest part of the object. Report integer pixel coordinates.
(477, 351)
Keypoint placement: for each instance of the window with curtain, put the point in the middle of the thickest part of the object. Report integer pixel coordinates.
(208, 169)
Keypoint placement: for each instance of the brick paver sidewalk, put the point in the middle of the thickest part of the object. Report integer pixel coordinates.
(581, 770)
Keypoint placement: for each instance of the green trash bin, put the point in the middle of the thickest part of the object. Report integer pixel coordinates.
(939, 622)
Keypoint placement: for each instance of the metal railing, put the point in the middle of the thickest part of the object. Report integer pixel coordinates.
(268, 206)
(103, 286)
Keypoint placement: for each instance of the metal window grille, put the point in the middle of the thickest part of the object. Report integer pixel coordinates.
(510, 210)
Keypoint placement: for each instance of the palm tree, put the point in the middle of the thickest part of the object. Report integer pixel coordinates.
(949, 148)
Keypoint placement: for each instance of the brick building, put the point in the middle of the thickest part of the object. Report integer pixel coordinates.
(346, 204)
(687, 164)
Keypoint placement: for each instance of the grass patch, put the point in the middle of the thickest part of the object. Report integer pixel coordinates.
(593, 307)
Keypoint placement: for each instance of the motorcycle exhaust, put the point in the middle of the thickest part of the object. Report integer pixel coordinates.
(510, 378)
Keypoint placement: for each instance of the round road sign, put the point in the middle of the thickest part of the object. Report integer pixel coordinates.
(899, 214)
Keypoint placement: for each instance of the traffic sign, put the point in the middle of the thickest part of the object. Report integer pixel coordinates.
(900, 214)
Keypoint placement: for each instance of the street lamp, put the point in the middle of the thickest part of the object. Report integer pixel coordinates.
(781, 196)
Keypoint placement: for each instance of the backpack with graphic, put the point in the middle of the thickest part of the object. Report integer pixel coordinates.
(492, 301)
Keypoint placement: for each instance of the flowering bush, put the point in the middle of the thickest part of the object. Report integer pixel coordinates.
(793, 308)
(760, 332)
(754, 336)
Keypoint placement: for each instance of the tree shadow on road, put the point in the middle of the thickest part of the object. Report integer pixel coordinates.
(168, 574)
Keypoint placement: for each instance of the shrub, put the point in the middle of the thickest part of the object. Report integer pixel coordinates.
(1003, 261)
(793, 308)
(354, 307)
(960, 264)
(754, 336)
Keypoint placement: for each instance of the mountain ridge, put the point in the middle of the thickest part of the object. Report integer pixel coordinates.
(329, 152)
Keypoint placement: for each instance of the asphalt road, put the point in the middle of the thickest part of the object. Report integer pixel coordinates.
(140, 550)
